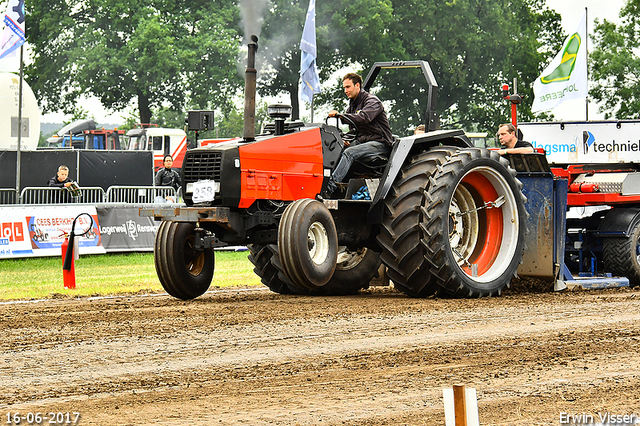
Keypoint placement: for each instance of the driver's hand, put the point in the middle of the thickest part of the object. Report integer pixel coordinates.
(347, 143)
(333, 113)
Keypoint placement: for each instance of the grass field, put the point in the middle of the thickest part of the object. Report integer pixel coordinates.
(38, 278)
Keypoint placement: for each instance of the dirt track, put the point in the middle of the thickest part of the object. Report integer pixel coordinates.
(379, 358)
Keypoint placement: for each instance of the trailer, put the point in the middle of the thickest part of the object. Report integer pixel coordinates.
(600, 162)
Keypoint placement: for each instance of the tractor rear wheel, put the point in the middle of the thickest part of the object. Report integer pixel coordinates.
(622, 255)
(474, 222)
(307, 243)
(184, 272)
(354, 271)
(402, 236)
(260, 256)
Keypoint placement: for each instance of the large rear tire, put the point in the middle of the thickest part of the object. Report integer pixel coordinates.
(308, 243)
(354, 271)
(184, 272)
(622, 255)
(402, 236)
(475, 223)
(260, 256)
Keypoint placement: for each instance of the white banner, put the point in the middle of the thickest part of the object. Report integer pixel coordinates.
(586, 142)
(566, 76)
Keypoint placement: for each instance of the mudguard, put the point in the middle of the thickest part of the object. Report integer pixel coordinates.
(399, 154)
(619, 222)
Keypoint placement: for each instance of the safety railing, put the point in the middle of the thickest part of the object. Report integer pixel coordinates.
(92, 195)
(7, 196)
(141, 194)
(52, 195)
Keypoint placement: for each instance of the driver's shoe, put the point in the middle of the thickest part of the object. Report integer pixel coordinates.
(330, 189)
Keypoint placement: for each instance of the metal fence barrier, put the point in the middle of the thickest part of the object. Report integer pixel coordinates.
(92, 195)
(141, 194)
(7, 196)
(51, 195)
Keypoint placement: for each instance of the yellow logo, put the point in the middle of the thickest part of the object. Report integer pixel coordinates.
(568, 62)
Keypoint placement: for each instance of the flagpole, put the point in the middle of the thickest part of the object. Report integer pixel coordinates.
(312, 106)
(586, 59)
(19, 124)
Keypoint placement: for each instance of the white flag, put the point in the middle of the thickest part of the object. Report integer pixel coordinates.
(566, 76)
(310, 82)
(13, 35)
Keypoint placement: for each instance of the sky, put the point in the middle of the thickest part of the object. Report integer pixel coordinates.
(570, 10)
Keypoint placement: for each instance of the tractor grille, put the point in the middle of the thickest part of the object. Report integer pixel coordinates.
(202, 165)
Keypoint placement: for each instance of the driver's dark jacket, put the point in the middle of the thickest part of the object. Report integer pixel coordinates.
(367, 112)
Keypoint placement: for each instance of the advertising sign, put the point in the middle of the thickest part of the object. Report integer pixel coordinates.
(586, 142)
(122, 229)
(40, 230)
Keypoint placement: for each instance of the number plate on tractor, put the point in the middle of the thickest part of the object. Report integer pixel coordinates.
(204, 190)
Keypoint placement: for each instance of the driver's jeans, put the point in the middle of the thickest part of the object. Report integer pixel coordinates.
(353, 153)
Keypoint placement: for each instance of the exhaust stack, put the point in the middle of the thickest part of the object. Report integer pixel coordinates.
(250, 91)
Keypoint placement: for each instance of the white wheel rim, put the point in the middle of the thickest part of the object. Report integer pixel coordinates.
(348, 259)
(317, 243)
(466, 230)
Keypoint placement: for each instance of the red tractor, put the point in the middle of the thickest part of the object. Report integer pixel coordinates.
(443, 216)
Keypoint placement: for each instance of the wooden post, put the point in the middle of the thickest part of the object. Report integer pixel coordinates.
(460, 405)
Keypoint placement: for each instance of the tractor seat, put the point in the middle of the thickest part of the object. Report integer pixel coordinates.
(373, 160)
(370, 166)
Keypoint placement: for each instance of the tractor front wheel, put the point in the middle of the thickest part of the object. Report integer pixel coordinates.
(307, 244)
(184, 271)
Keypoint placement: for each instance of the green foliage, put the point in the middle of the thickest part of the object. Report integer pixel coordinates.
(170, 118)
(615, 65)
(472, 46)
(152, 53)
(78, 113)
(168, 57)
(42, 140)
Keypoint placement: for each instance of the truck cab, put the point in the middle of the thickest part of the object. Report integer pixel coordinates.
(82, 134)
(162, 141)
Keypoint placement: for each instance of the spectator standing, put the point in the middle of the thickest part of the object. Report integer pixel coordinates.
(167, 176)
(61, 179)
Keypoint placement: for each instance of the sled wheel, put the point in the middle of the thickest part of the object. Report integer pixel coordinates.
(402, 233)
(307, 243)
(184, 272)
(260, 256)
(622, 255)
(475, 224)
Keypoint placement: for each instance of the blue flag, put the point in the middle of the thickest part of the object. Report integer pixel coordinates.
(308, 70)
(13, 35)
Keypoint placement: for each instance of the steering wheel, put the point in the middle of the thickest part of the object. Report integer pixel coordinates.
(350, 136)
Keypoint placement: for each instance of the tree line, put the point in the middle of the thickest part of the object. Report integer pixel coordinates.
(171, 56)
